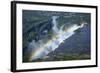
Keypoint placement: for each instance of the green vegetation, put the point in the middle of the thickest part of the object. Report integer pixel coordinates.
(64, 57)
(72, 57)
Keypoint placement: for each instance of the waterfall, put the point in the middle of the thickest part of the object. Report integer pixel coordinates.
(54, 22)
(40, 49)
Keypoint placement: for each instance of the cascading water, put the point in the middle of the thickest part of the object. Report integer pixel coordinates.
(54, 22)
(40, 49)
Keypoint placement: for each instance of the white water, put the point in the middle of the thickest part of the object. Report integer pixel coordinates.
(54, 22)
(41, 49)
